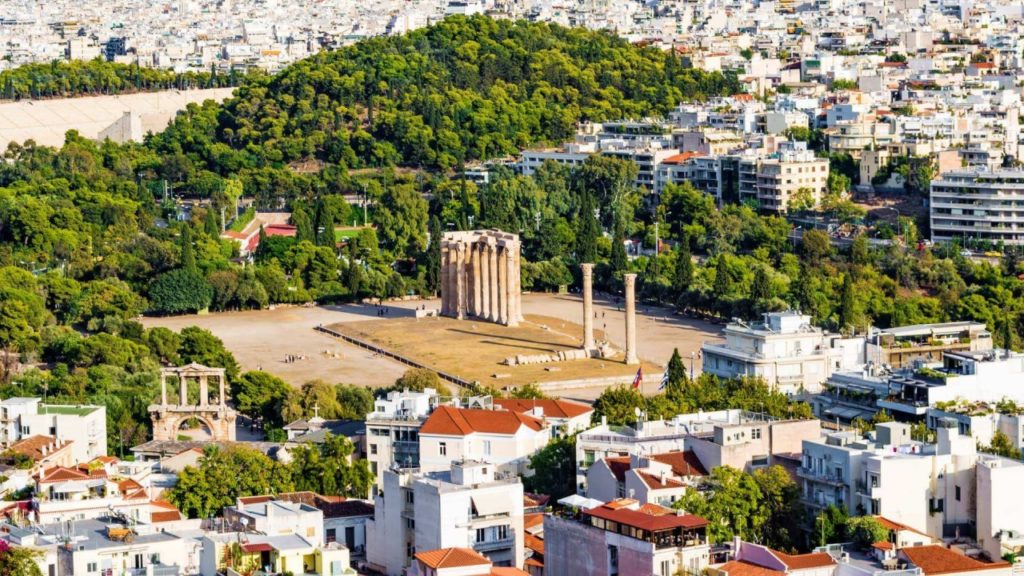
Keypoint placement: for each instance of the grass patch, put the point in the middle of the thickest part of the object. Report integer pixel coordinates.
(239, 224)
(66, 410)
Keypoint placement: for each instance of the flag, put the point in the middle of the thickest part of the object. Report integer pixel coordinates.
(639, 379)
(664, 380)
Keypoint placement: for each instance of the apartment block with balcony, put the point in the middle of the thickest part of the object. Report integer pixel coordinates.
(829, 469)
(903, 346)
(792, 169)
(978, 205)
(623, 537)
(469, 506)
(982, 376)
(106, 546)
(84, 426)
(392, 430)
(785, 349)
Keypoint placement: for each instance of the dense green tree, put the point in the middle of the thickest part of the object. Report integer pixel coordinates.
(355, 401)
(554, 469)
(733, 504)
(187, 254)
(865, 531)
(224, 475)
(262, 397)
(618, 405)
(180, 291)
(19, 560)
(589, 230)
(328, 468)
(201, 346)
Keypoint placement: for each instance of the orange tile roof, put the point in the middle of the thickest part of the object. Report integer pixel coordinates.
(683, 463)
(533, 543)
(618, 465)
(741, 568)
(130, 489)
(654, 481)
(680, 158)
(645, 520)
(552, 408)
(935, 559)
(451, 558)
(62, 474)
(449, 421)
(531, 520)
(896, 526)
(801, 561)
(33, 446)
(883, 545)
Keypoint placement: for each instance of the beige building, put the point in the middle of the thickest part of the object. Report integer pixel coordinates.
(794, 168)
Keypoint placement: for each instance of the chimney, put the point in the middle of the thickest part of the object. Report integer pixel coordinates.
(663, 477)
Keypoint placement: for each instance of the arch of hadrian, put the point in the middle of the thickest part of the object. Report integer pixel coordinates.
(480, 276)
(218, 417)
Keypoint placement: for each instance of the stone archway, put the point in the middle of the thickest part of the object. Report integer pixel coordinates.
(214, 413)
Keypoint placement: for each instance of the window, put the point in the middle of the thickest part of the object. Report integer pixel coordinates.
(487, 447)
(759, 461)
(481, 535)
(332, 535)
(137, 562)
(410, 497)
(410, 523)
(502, 532)
(613, 560)
(957, 493)
(442, 448)
(755, 434)
(90, 567)
(666, 568)
(373, 449)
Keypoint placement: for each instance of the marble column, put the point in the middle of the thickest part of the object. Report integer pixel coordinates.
(460, 281)
(182, 391)
(503, 285)
(511, 311)
(517, 289)
(444, 289)
(223, 397)
(204, 391)
(163, 389)
(485, 285)
(477, 282)
(630, 280)
(492, 285)
(588, 306)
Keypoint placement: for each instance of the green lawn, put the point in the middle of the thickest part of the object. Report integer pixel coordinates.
(67, 410)
(341, 234)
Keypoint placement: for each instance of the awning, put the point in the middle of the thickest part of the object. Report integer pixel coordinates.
(489, 504)
(578, 501)
(67, 487)
(847, 413)
(256, 547)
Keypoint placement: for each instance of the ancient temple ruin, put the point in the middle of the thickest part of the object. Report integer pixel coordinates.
(480, 276)
(177, 416)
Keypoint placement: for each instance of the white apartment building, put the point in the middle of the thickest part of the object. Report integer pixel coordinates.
(502, 438)
(269, 516)
(622, 537)
(785, 350)
(96, 547)
(655, 478)
(392, 430)
(468, 506)
(986, 205)
(979, 420)
(743, 440)
(975, 376)
(84, 426)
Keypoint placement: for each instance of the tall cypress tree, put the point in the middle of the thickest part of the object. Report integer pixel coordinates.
(188, 255)
(684, 268)
(847, 305)
(433, 260)
(619, 260)
(590, 230)
(303, 225)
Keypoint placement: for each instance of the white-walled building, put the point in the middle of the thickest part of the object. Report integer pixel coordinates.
(392, 430)
(563, 416)
(468, 506)
(85, 426)
(502, 438)
(978, 204)
(786, 350)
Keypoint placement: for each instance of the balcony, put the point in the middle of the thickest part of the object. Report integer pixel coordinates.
(823, 477)
(496, 544)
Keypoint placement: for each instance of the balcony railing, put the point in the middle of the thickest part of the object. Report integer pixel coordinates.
(818, 476)
(498, 544)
